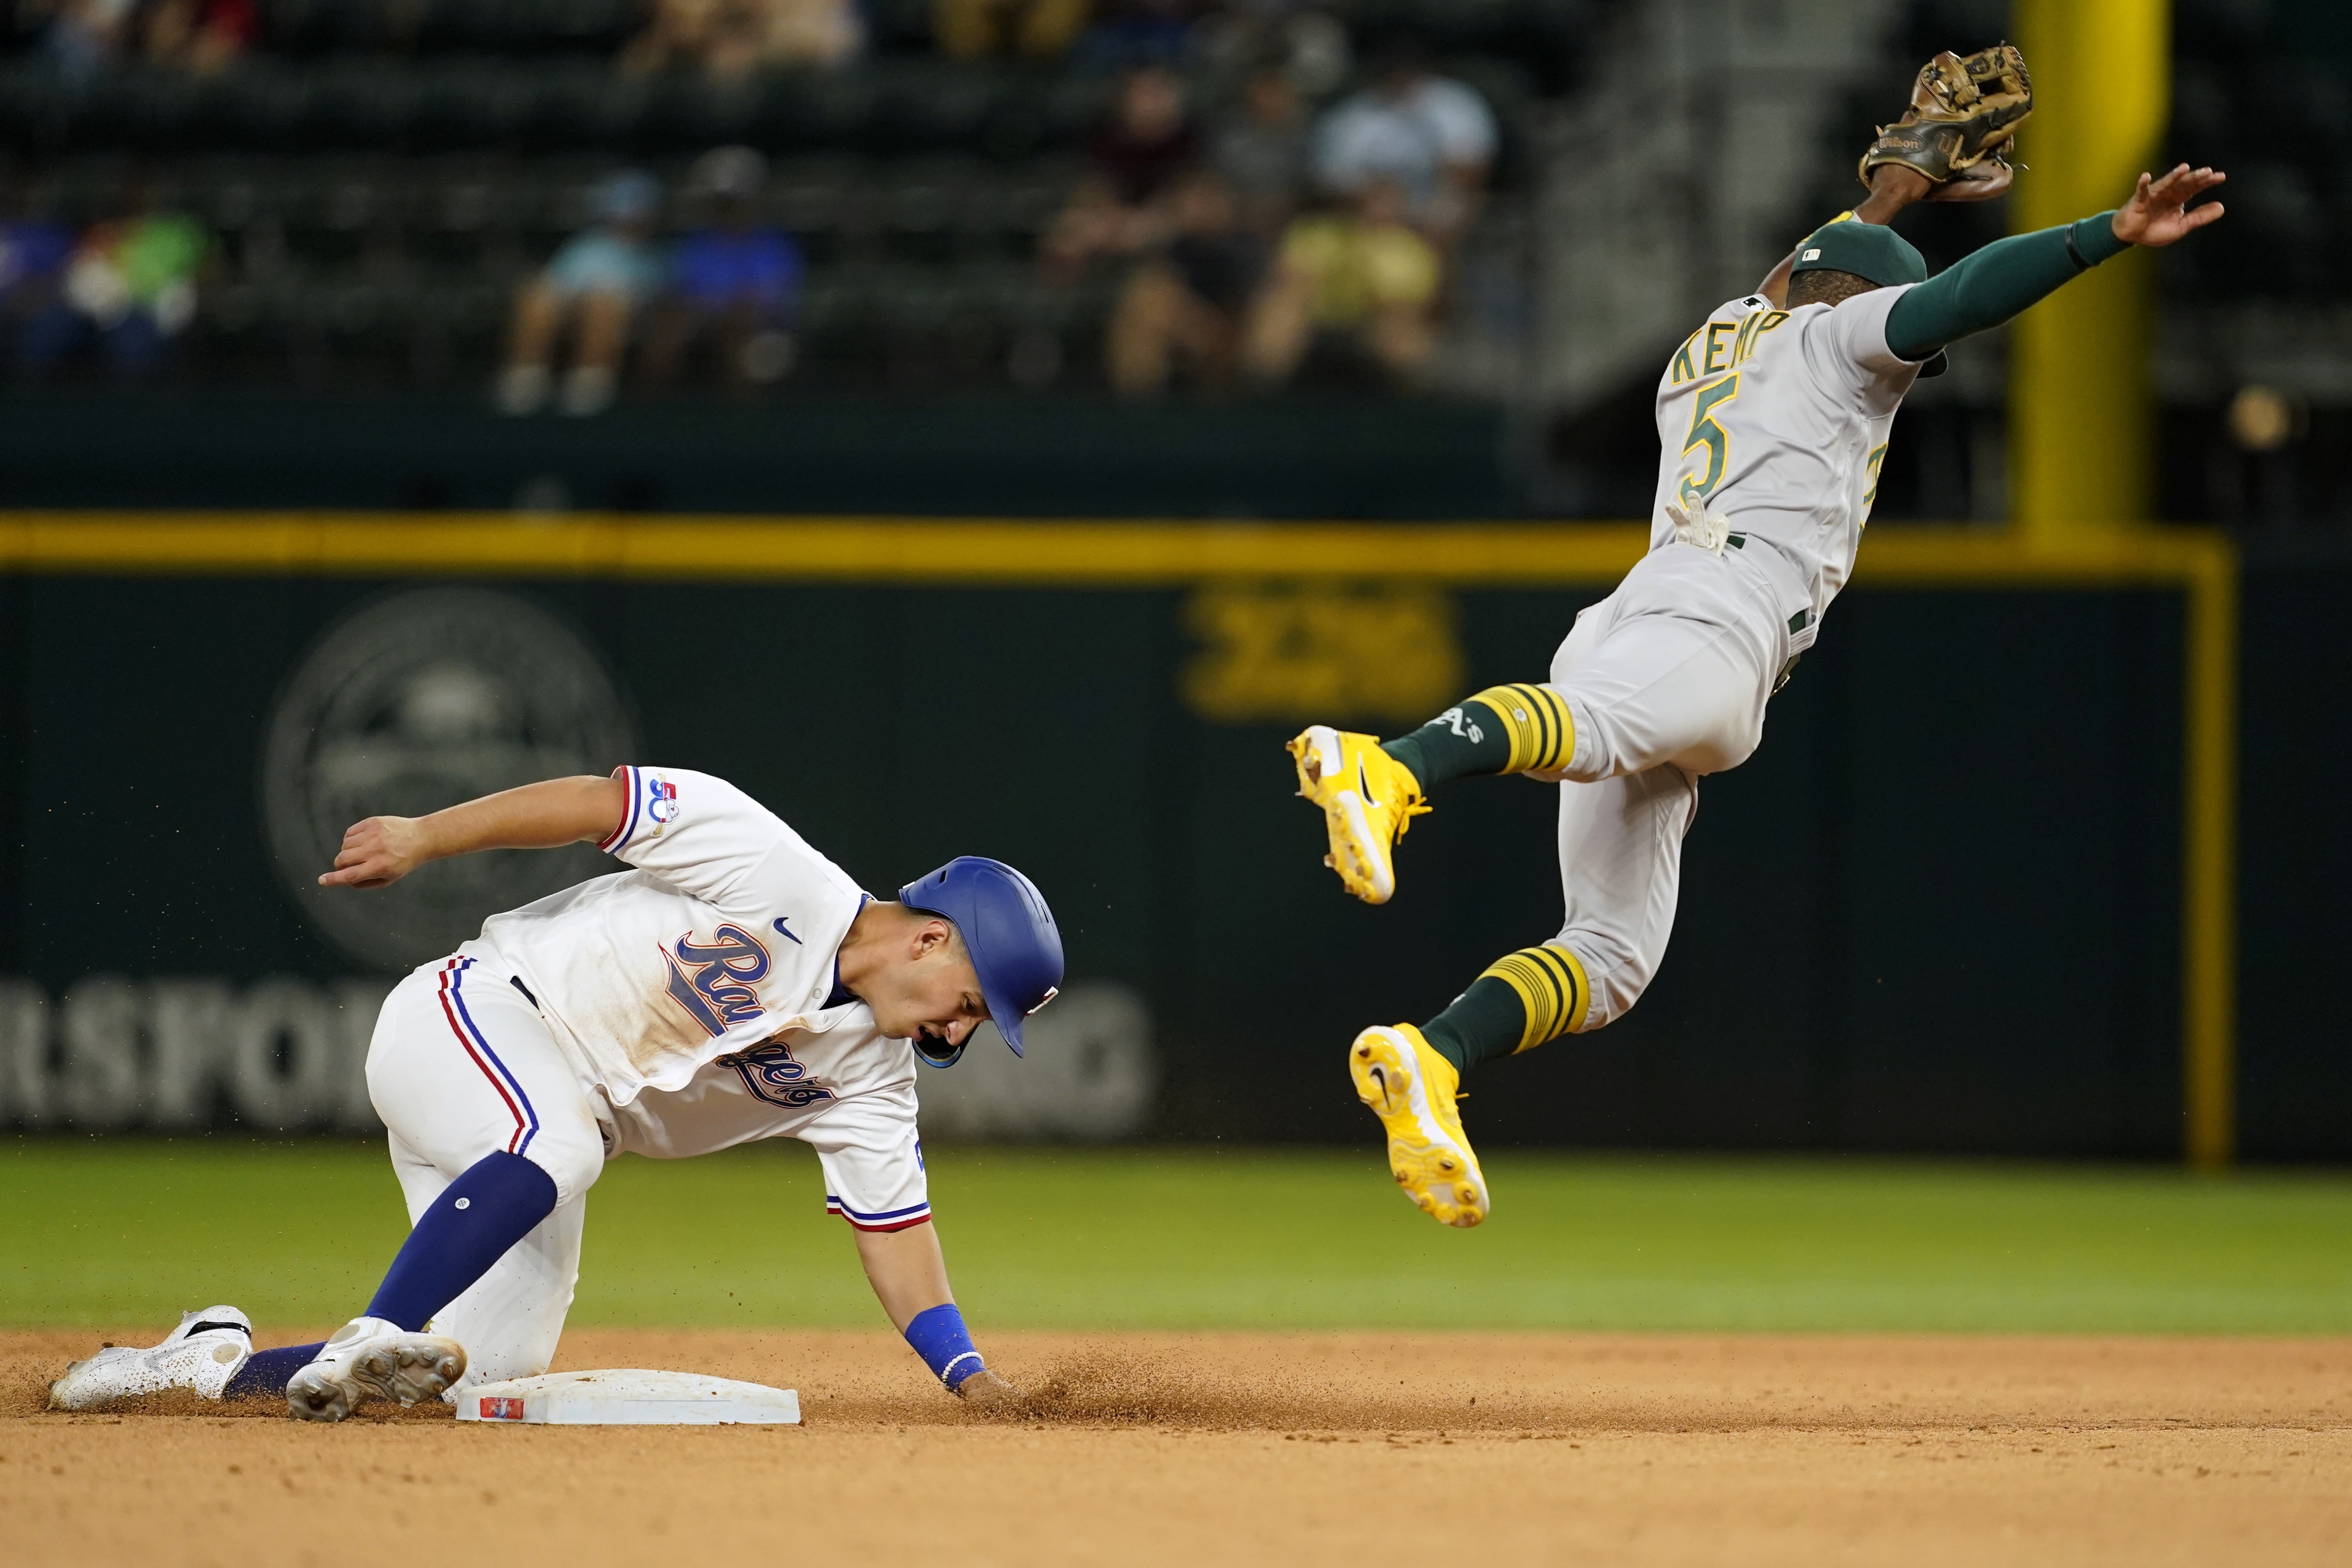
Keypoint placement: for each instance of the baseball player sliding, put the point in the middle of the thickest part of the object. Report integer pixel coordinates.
(735, 985)
(1773, 418)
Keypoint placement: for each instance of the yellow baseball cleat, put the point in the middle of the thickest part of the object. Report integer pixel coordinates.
(1367, 799)
(1411, 1089)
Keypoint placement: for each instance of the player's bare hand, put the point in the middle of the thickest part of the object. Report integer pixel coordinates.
(378, 853)
(2158, 211)
(983, 1390)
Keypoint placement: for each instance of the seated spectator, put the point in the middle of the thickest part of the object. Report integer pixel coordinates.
(1135, 157)
(201, 35)
(730, 285)
(1261, 150)
(33, 251)
(1126, 32)
(87, 37)
(130, 286)
(1432, 138)
(1299, 38)
(1188, 300)
(731, 38)
(1041, 29)
(595, 285)
(1364, 276)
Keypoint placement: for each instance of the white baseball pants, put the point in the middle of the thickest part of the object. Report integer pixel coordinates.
(1666, 679)
(462, 1065)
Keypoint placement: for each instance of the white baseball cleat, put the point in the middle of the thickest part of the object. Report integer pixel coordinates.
(370, 1358)
(202, 1354)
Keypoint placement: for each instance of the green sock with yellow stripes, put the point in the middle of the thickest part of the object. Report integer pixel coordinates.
(1521, 1000)
(1519, 728)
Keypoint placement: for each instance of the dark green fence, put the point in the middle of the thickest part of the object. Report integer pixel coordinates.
(1938, 911)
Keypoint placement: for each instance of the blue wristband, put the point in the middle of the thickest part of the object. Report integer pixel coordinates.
(939, 1337)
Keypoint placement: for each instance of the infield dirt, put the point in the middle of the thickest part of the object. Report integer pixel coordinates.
(1296, 1448)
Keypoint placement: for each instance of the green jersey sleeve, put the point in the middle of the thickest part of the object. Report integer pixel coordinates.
(1994, 284)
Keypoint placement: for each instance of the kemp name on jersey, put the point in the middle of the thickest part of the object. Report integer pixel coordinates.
(1780, 420)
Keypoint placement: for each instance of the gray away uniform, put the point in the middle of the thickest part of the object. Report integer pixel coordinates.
(1771, 425)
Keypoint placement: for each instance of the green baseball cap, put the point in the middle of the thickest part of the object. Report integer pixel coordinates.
(1867, 250)
(1870, 251)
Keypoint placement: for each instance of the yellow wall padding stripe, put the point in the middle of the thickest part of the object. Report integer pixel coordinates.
(1550, 986)
(1542, 735)
(980, 551)
(951, 551)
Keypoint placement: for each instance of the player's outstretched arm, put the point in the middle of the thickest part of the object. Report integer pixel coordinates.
(910, 1276)
(380, 851)
(1994, 284)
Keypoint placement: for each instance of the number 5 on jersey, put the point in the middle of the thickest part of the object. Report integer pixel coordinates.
(1870, 496)
(1704, 428)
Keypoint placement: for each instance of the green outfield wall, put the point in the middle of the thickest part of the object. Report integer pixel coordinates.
(1941, 909)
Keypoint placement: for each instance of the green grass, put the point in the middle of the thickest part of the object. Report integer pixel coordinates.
(126, 1233)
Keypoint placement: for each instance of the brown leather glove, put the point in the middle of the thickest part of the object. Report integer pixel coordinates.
(1964, 110)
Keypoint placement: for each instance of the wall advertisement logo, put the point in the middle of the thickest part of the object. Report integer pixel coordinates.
(414, 703)
(1092, 1075)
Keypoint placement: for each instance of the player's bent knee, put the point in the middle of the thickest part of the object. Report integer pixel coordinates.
(1615, 977)
(572, 1162)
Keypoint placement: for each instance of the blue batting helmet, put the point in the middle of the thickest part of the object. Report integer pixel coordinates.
(1016, 947)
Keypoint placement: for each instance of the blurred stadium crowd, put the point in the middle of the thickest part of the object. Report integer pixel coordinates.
(546, 205)
(737, 192)
(2252, 347)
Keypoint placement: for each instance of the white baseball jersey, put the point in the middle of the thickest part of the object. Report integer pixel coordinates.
(685, 1007)
(697, 994)
(1779, 419)
(722, 938)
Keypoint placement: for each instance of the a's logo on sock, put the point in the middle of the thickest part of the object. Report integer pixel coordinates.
(1461, 724)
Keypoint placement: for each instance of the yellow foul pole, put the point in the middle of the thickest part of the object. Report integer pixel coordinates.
(2081, 422)
(2081, 400)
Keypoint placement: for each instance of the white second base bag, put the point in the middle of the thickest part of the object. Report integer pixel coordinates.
(626, 1397)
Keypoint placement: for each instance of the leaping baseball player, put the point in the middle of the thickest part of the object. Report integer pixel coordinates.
(735, 985)
(1773, 419)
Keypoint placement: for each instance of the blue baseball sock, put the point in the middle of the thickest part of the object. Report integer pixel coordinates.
(495, 1204)
(265, 1372)
(939, 1337)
